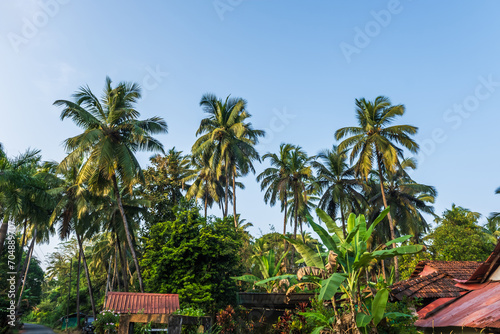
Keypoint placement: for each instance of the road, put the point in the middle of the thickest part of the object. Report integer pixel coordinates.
(35, 329)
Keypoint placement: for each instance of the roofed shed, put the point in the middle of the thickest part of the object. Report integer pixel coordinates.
(141, 308)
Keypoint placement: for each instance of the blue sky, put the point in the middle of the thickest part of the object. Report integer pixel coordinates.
(299, 64)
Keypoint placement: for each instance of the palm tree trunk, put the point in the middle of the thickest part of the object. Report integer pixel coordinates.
(391, 225)
(234, 201)
(123, 259)
(78, 291)
(295, 210)
(22, 247)
(69, 293)
(87, 275)
(226, 196)
(3, 231)
(342, 217)
(127, 232)
(114, 270)
(284, 219)
(26, 269)
(296, 215)
(206, 205)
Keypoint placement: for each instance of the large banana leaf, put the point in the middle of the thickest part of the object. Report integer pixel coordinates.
(328, 241)
(332, 227)
(398, 240)
(275, 278)
(381, 216)
(387, 253)
(379, 304)
(311, 258)
(330, 286)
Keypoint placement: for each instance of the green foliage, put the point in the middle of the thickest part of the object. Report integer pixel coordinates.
(194, 258)
(458, 237)
(408, 262)
(190, 312)
(107, 322)
(400, 325)
(354, 258)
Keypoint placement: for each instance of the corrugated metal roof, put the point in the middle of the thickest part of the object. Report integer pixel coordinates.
(460, 270)
(144, 303)
(434, 285)
(487, 268)
(476, 309)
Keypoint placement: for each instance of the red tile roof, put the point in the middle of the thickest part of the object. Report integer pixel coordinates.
(434, 285)
(477, 309)
(144, 303)
(460, 270)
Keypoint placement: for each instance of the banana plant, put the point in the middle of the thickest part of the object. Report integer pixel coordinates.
(269, 270)
(345, 269)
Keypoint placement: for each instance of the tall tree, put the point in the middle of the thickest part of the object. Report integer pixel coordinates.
(300, 177)
(276, 180)
(111, 137)
(229, 139)
(206, 186)
(341, 190)
(408, 201)
(374, 140)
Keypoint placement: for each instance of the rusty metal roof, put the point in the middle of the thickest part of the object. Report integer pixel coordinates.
(460, 270)
(144, 303)
(476, 309)
(487, 268)
(434, 285)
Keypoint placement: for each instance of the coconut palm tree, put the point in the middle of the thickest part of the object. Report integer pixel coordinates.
(276, 180)
(72, 214)
(300, 176)
(206, 185)
(341, 190)
(171, 172)
(375, 140)
(407, 199)
(112, 134)
(229, 139)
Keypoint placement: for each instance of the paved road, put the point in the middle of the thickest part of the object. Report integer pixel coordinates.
(36, 329)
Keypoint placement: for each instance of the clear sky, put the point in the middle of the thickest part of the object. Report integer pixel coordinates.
(300, 65)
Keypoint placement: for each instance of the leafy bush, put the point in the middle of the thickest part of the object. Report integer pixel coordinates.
(293, 322)
(107, 321)
(234, 321)
(194, 258)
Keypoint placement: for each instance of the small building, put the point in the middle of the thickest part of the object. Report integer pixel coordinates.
(150, 307)
(141, 308)
(476, 309)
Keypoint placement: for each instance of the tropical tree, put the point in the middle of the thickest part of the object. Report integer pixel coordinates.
(341, 190)
(375, 140)
(206, 185)
(408, 201)
(169, 173)
(276, 180)
(300, 176)
(229, 139)
(456, 230)
(72, 214)
(111, 137)
(345, 271)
